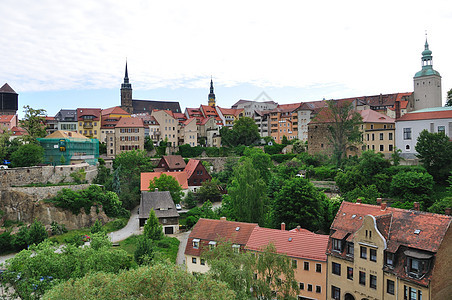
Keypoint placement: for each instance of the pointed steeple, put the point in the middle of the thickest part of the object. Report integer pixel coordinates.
(126, 77)
(427, 62)
(212, 94)
(126, 84)
(126, 93)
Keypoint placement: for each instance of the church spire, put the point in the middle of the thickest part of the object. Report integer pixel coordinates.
(212, 94)
(126, 93)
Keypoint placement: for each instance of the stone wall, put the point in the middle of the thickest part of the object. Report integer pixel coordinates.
(43, 174)
(26, 204)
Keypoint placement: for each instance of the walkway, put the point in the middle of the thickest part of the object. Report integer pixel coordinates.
(132, 227)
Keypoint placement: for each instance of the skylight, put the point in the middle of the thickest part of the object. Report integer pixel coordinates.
(417, 231)
(237, 228)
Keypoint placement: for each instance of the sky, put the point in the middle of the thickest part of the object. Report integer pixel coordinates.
(66, 54)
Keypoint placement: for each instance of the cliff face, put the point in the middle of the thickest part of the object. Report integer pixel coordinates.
(26, 204)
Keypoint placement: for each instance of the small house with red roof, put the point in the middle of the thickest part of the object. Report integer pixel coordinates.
(207, 233)
(306, 251)
(7, 122)
(196, 173)
(380, 252)
(410, 126)
(171, 163)
(128, 135)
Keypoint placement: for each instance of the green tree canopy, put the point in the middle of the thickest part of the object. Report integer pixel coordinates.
(243, 132)
(33, 122)
(209, 191)
(152, 229)
(449, 98)
(27, 155)
(435, 153)
(261, 161)
(299, 203)
(167, 183)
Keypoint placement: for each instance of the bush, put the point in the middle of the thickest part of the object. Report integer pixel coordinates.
(79, 176)
(273, 149)
(413, 186)
(97, 227)
(57, 228)
(6, 242)
(145, 250)
(279, 158)
(325, 172)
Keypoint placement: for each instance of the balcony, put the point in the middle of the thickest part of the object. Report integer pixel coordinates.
(88, 125)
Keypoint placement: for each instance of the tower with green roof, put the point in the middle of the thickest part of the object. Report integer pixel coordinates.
(427, 83)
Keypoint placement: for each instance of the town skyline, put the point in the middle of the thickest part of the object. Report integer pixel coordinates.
(67, 56)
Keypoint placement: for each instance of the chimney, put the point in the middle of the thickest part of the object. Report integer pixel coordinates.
(283, 226)
(298, 228)
(447, 211)
(223, 219)
(379, 201)
(156, 190)
(383, 205)
(416, 206)
(358, 200)
(397, 110)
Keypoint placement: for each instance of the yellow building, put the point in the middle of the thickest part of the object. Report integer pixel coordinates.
(378, 132)
(379, 252)
(89, 122)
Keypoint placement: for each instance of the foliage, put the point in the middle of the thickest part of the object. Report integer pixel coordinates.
(152, 229)
(57, 228)
(97, 227)
(368, 194)
(145, 250)
(148, 144)
(160, 281)
(449, 98)
(435, 153)
(247, 193)
(209, 192)
(100, 240)
(343, 129)
(33, 122)
(225, 176)
(396, 156)
(325, 172)
(279, 158)
(104, 176)
(6, 244)
(102, 148)
(261, 162)
(299, 146)
(439, 206)
(79, 176)
(413, 186)
(32, 272)
(299, 203)
(273, 149)
(128, 167)
(27, 236)
(205, 211)
(27, 155)
(94, 195)
(167, 183)
(243, 132)
(190, 200)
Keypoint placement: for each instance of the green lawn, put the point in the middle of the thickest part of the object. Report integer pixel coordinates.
(166, 248)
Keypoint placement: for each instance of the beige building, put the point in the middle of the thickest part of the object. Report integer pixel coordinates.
(128, 135)
(189, 133)
(169, 126)
(379, 252)
(378, 132)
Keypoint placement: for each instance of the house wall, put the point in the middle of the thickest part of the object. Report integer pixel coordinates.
(441, 286)
(311, 277)
(317, 140)
(123, 136)
(168, 126)
(195, 267)
(199, 176)
(304, 117)
(377, 136)
(191, 134)
(427, 92)
(89, 128)
(282, 124)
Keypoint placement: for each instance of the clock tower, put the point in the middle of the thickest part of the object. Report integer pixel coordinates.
(126, 94)
(212, 94)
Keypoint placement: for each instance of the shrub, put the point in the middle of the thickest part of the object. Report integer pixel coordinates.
(325, 172)
(279, 158)
(97, 227)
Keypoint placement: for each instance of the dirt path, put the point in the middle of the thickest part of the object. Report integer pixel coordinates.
(132, 227)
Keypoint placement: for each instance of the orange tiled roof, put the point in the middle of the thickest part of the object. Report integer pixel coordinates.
(188, 121)
(303, 244)
(427, 115)
(191, 166)
(372, 116)
(174, 161)
(96, 112)
(114, 110)
(129, 122)
(181, 177)
(6, 118)
(217, 230)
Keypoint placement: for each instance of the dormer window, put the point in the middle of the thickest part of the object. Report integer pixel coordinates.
(390, 259)
(212, 245)
(350, 249)
(196, 243)
(337, 245)
(417, 263)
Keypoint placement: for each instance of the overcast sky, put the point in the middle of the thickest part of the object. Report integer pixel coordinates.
(68, 54)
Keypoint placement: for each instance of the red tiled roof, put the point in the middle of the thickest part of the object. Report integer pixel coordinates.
(130, 122)
(174, 161)
(6, 118)
(191, 166)
(114, 110)
(96, 112)
(218, 230)
(181, 177)
(18, 131)
(372, 116)
(230, 111)
(427, 115)
(204, 120)
(306, 245)
(188, 121)
(397, 224)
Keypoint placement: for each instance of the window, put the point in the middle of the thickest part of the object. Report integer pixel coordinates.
(318, 289)
(382, 148)
(350, 249)
(203, 262)
(371, 126)
(196, 243)
(301, 284)
(390, 259)
(193, 260)
(318, 268)
(373, 255)
(412, 293)
(350, 273)
(391, 147)
(236, 248)
(407, 133)
(294, 263)
(362, 278)
(306, 266)
(390, 286)
(373, 281)
(381, 136)
(390, 136)
(212, 244)
(335, 292)
(373, 137)
(363, 252)
(336, 268)
(309, 287)
(337, 245)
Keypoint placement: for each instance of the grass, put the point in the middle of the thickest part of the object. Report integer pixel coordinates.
(166, 248)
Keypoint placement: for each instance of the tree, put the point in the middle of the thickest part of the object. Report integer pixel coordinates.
(413, 186)
(145, 250)
(435, 153)
(261, 161)
(343, 129)
(209, 191)
(167, 183)
(152, 229)
(243, 132)
(148, 144)
(299, 203)
(247, 193)
(27, 155)
(36, 233)
(33, 122)
(159, 281)
(449, 98)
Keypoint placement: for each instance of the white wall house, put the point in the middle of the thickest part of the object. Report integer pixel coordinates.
(410, 125)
